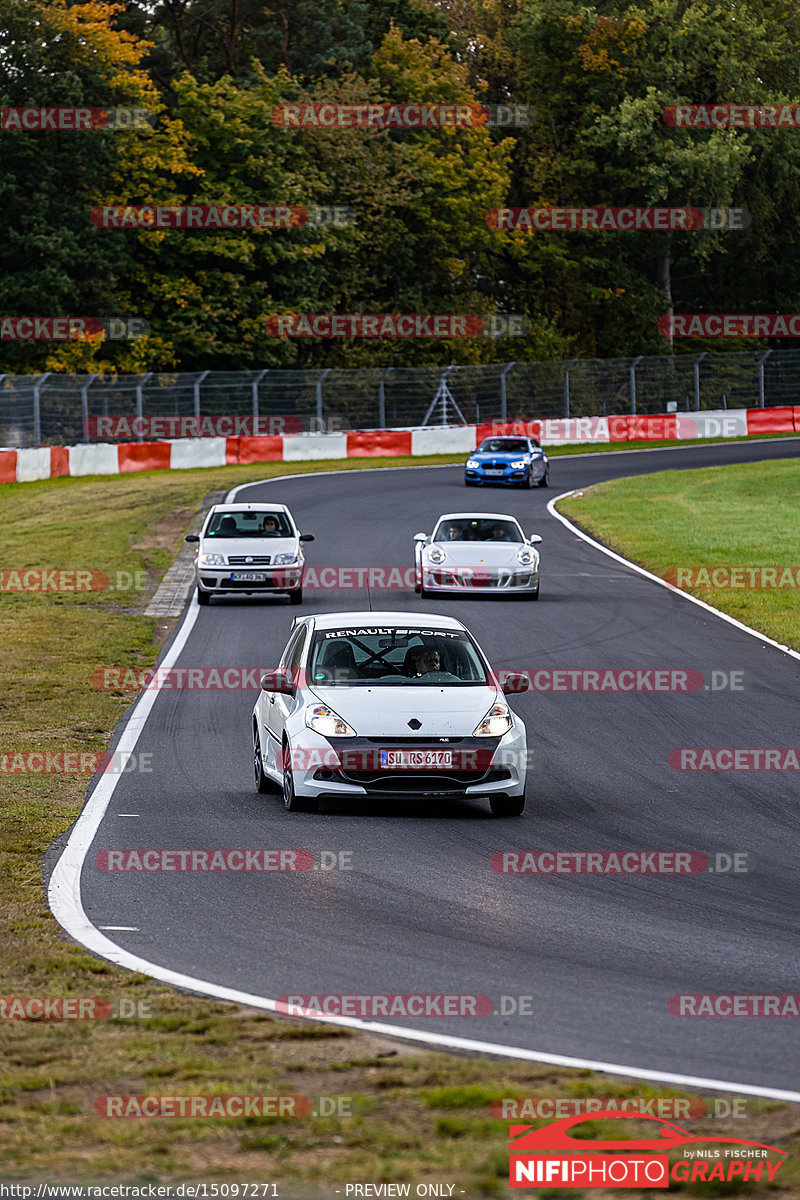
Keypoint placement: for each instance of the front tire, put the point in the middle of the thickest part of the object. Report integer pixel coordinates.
(296, 597)
(545, 480)
(290, 800)
(507, 806)
(203, 598)
(529, 478)
(535, 595)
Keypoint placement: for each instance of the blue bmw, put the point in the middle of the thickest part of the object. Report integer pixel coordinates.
(519, 461)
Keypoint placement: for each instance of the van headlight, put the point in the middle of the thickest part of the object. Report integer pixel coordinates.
(526, 557)
(496, 722)
(212, 560)
(324, 720)
(284, 560)
(436, 554)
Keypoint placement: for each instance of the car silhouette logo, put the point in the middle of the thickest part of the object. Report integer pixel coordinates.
(555, 1136)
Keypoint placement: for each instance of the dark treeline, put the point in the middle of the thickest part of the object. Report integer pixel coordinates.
(211, 72)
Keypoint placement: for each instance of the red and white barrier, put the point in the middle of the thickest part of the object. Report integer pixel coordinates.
(181, 454)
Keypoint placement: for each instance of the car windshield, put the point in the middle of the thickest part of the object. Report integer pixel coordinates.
(383, 657)
(484, 529)
(503, 446)
(245, 523)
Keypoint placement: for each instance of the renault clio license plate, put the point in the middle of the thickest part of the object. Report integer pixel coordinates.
(416, 759)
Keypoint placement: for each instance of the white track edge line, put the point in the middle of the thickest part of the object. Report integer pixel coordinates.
(657, 578)
(65, 902)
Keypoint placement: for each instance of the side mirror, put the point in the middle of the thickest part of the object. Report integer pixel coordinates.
(420, 537)
(306, 537)
(512, 682)
(534, 539)
(191, 537)
(276, 681)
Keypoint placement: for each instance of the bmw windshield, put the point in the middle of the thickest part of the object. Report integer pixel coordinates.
(380, 657)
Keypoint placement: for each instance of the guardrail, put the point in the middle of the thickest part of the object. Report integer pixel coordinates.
(46, 462)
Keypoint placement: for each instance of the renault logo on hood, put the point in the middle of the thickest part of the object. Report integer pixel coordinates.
(414, 723)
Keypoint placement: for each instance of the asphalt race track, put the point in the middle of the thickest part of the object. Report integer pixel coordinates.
(421, 910)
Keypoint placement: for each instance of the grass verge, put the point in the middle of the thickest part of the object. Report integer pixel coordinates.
(417, 1116)
(737, 516)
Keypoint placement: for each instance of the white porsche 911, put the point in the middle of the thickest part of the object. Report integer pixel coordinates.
(387, 705)
(477, 551)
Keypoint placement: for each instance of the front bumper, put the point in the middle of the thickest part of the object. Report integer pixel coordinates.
(484, 767)
(480, 579)
(508, 476)
(219, 581)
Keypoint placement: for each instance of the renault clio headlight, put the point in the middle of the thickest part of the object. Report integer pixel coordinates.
(212, 560)
(496, 722)
(324, 720)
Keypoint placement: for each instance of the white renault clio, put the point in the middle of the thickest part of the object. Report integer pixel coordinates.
(383, 704)
(249, 548)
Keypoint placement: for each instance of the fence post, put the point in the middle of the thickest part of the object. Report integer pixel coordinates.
(324, 374)
(697, 362)
(85, 405)
(571, 363)
(382, 398)
(37, 409)
(140, 404)
(254, 396)
(761, 362)
(197, 383)
(503, 398)
(632, 376)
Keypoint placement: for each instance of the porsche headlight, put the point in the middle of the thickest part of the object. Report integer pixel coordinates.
(496, 722)
(283, 560)
(212, 560)
(525, 556)
(519, 465)
(436, 554)
(472, 464)
(324, 720)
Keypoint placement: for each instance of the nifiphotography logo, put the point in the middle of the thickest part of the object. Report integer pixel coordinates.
(553, 1157)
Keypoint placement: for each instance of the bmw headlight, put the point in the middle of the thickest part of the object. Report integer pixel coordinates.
(324, 720)
(472, 464)
(212, 560)
(496, 722)
(436, 554)
(519, 465)
(526, 557)
(283, 560)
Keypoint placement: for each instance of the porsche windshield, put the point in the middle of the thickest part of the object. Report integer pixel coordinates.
(468, 529)
(394, 657)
